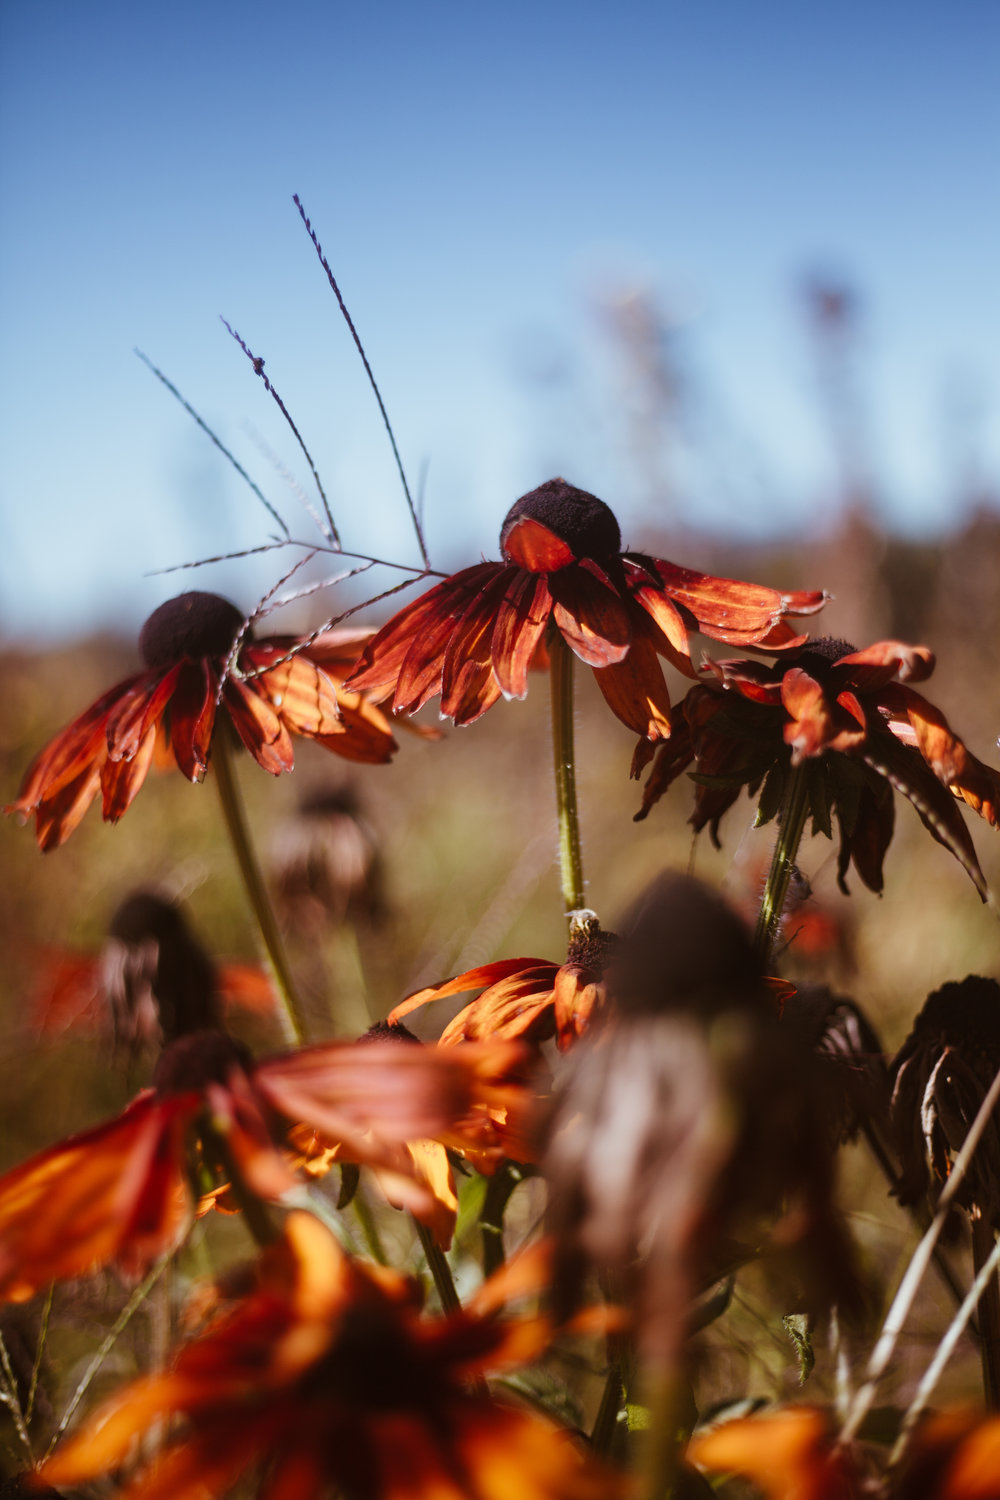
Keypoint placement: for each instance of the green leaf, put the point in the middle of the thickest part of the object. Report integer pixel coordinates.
(772, 796)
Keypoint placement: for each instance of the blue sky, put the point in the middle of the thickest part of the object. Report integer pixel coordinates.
(485, 180)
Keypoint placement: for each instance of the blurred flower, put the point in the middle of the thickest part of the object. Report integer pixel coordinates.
(942, 1073)
(954, 1455)
(789, 1454)
(150, 983)
(124, 1192)
(326, 1377)
(850, 718)
(528, 999)
(684, 1121)
(271, 689)
(472, 637)
(326, 864)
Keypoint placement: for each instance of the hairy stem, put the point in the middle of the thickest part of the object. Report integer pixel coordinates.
(234, 814)
(439, 1268)
(793, 821)
(561, 685)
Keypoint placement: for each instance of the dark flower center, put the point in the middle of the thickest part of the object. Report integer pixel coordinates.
(963, 1014)
(192, 626)
(584, 523)
(196, 1060)
(590, 946)
(372, 1364)
(388, 1031)
(820, 654)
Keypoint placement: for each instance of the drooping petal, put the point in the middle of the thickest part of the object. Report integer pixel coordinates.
(591, 614)
(258, 725)
(532, 545)
(115, 1193)
(787, 1454)
(468, 684)
(818, 725)
(120, 780)
(138, 711)
(646, 591)
(192, 717)
(364, 733)
(58, 814)
(906, 771)
(635, 690)
(520, 625)
(672, 759)
(578, 996)
(382, 659)
(301, 693)
(948, 757)
(72, 753)
(422, 668)
(866, 841)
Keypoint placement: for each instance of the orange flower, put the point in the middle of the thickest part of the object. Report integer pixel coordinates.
(955, 1455)
(326, 1378)
(472, 637)
(271, 689)
(528, 999)
(853, 720)
(123, 1192)
(788, 1454)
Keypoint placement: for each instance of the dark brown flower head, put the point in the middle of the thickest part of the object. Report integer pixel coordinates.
(190, 627)
(851, 1069)
(858, 729)
(327, 864)
(274, 688)
(704, 1104)
(942, 1074)
(473, 637)
(558, 524)
(157, 979)
(193, 1062)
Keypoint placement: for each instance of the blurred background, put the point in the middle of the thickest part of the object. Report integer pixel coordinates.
(733, 268)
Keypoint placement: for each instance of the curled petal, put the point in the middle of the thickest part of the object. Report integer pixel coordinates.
(729, 610)
(300, 692)
(259, 726)
(883, 662)
(472, 979)
(120, 780)
(636, 692)
(192, 717)
(422, 669)
(468, 684)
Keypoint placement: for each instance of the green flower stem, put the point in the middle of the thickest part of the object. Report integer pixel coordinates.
(439, 1268)
(561, 684)
(794, 812)
(239, 835)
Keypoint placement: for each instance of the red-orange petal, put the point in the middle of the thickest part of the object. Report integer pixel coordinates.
(591, 614)
(472, 979)
(423, 665)
(468, 685)
(635, 690)
(302, 695)
(730, 610)
(139, 710)
(192, 717)
(879, 664)
(532, 545)
(520, 625)
(258, 725)
(120, 780)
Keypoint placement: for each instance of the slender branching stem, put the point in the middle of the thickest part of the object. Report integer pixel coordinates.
(239, 836)
(131, 1307)
(605, 1426)
(36, 1367)
(793, 821)
(983, 1248)
(570, 859)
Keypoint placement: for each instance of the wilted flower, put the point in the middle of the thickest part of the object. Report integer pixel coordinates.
(942, 1073)
(472, 637)
(326, 864)
(528, 999)
(850, 1068)
(124, 1192)
(326, 1378)
(686, 1119)
(852, 720)
(151, 981)
(270, 690)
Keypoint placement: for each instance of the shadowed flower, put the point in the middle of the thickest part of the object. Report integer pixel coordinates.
(326, 1378)
(270, 689)
(528, 999)
(326, 864)
(125, 1192)
(852, 720)
(684, 1122)
(942, 1073)
(954, 1455)
(472, 637)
